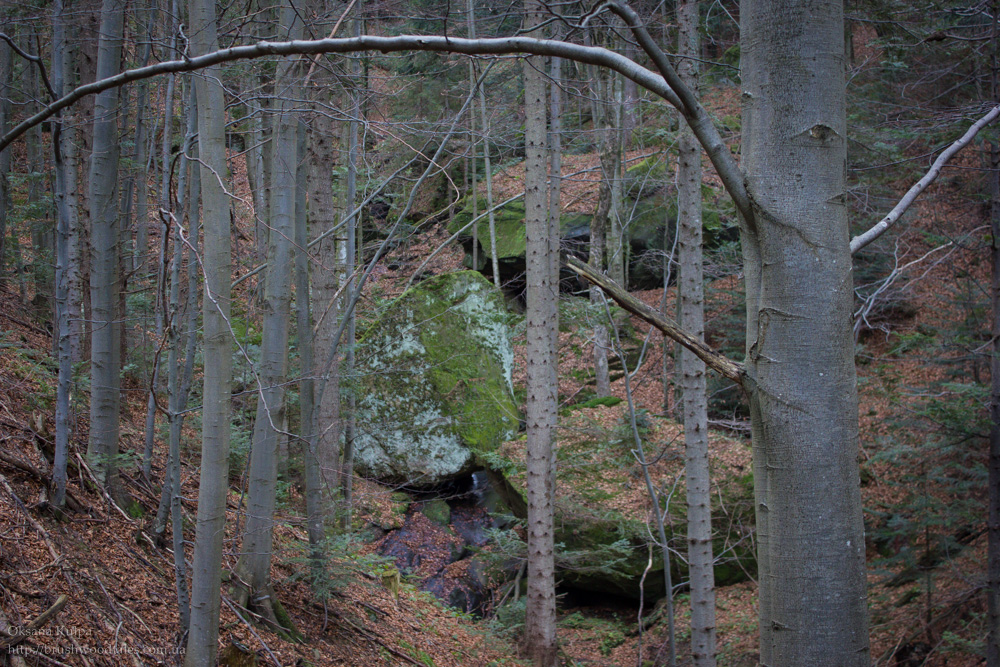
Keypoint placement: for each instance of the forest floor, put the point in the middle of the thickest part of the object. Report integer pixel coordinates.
(925, 590)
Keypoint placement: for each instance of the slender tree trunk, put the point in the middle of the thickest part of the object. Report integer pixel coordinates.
(142, 238)
(254, 567)
(800, 348)
(599, 229)
(65, 165)
(105, 352)
(347, 474)
(486, 159)
(304, 333)
(329, 262)
(177, 396)
(6, 55)
(542, 319)
(177, 388)
(217, 258)
(692, 320)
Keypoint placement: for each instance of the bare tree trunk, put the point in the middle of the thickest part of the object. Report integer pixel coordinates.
(486, 159)
(599, 228)
(254, 567)
(347, 473)
(142, 239)
(177, 395)
(304, 333)
(800, 348)
(65, 197)
(542, 319)
(6, 55)
(692, 320)
(217, 258)
(105, 352)
(329, 262)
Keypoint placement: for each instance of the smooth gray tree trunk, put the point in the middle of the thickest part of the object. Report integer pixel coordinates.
(350, 198)
(542, 319)
(65, 199)
(217, 259)
(692, 320)
(105, 340)
(304, 335)
(800, 348)
(254, 567)
(330, 257)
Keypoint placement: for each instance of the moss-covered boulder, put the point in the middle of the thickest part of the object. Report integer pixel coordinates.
(603, 515)
(434, 386)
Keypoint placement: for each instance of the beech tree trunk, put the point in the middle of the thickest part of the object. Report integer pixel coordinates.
(542, 320)
(217, 259)
(800, 348)
(325, 271)
(105, 341)
(254, 567)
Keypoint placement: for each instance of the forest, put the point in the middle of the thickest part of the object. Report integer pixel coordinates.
(404, 332)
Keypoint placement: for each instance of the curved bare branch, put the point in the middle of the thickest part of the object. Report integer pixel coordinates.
(494, 46)
(861, 240)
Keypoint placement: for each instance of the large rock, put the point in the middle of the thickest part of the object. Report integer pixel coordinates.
(435, 389)
(603, 518)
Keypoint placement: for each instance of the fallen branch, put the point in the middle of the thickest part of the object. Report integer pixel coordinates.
(714, 360)
(12, 639)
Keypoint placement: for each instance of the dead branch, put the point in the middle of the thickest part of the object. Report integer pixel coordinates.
(714, 360)
(12, 639)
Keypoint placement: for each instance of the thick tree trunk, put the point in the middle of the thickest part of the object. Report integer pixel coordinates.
(542, 319)
(217, 258)
(105, 351)
(692, 320)
(800, 351)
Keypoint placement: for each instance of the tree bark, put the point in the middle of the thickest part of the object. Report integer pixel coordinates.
(254, 567)
(542, 319)
(105, 350)
(800, 349)
(330, 257)
(216, 260)
(692, 320)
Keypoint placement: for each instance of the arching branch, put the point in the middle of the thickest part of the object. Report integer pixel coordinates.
(861, 240)
(495, 46)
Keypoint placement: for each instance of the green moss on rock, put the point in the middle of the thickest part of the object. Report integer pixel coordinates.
(435, 392)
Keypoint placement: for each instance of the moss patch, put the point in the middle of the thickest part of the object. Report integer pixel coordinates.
(435, 389)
